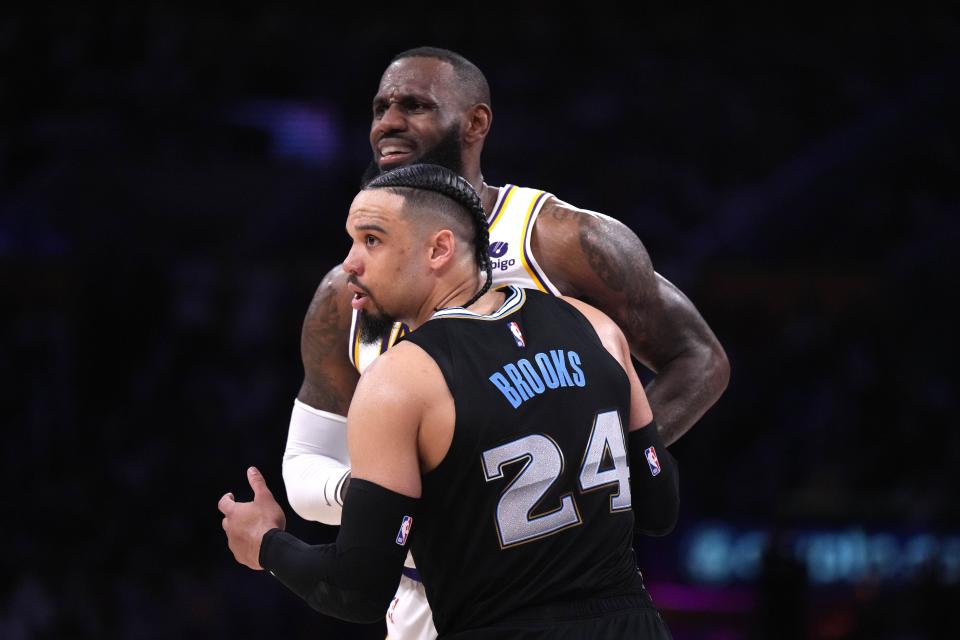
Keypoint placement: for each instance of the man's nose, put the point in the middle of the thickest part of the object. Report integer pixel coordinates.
(352, 263)
(393, 119)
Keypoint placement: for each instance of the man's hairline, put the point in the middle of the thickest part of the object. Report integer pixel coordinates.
(419, 222)
(453, 78)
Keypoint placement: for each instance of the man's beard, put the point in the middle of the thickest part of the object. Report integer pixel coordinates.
(375, 323)
(374, 326)
(448, 153)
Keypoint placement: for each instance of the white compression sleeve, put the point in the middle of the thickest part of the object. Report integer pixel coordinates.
(315, 463)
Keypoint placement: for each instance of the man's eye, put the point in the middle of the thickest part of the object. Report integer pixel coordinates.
(371, 240)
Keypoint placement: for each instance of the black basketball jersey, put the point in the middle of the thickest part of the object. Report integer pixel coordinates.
(531, 505)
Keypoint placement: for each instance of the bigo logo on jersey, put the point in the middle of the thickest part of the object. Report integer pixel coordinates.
(498, 250)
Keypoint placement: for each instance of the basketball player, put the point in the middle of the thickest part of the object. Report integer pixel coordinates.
(506, 440)
(433, 105)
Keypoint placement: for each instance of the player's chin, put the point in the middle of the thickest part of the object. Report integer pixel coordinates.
(376, 315)
(374, 323)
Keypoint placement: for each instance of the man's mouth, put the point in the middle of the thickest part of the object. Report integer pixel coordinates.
(360, 296)
(390, 153)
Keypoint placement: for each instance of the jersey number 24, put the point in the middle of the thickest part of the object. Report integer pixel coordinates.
(542, 461)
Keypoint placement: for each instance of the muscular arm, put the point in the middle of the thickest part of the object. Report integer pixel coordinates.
(315, 464)
(595, 258)
(328, 377)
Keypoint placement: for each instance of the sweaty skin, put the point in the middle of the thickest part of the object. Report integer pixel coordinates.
(421, 107)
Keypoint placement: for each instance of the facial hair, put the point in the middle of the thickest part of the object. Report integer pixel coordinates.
(374, 326)
(374, 322)
(448, 153)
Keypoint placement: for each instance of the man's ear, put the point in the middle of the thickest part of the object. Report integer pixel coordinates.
(443, 246)
(477, 123)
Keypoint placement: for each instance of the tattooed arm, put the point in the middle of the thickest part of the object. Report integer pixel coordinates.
(316, 467)
(329, 379)
(597, 259)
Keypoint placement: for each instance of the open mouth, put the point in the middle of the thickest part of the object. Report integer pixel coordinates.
(359, 299)
(360, 296)
(393, 154)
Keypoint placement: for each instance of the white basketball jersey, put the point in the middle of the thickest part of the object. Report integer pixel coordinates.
(512, 261)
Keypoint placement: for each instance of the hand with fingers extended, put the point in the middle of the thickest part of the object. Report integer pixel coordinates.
(246, 522)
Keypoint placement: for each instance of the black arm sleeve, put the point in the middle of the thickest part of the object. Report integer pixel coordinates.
(354, 578)
(654, 482)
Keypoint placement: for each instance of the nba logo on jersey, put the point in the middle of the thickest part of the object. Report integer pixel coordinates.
(652, 462)
(517, 335)
(404, 532)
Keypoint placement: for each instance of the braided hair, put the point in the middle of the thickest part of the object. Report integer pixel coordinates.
(431, 177)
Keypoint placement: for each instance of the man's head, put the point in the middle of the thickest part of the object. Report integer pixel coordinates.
(432, 106)
(413, 228)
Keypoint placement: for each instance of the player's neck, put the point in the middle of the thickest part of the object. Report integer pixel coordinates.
(455, 294)
(470, 169)
(488, 194)
(488, 302)
(488, 197)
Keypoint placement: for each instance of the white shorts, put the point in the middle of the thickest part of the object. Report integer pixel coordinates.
(409, 616)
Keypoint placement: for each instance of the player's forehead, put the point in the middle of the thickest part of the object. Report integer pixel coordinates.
(416, 77)
(375, 207)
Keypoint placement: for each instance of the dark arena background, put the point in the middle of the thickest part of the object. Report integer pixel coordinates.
(174, 183)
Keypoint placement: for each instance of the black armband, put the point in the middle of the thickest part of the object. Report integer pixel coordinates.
(354, 578)
(654, 482)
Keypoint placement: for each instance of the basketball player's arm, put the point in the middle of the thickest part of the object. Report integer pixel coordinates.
(654, 488)
(356, 577)
(598, 259)
(316, 467)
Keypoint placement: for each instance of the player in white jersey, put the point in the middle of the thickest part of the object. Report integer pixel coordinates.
(432, 105)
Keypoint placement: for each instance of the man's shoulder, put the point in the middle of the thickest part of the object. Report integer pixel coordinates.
(405, 370)
(514, 190)
(552, 211)
(398, 361)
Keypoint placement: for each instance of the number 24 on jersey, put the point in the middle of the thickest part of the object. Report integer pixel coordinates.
(542, 465)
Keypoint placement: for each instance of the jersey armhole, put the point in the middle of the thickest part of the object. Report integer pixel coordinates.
(534, 271)
(440, 355)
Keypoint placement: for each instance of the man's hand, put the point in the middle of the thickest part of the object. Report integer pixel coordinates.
(247, 522)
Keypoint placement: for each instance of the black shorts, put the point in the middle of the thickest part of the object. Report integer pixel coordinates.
(622, 616)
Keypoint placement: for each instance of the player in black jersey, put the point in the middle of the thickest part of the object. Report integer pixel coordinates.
(506, 440)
